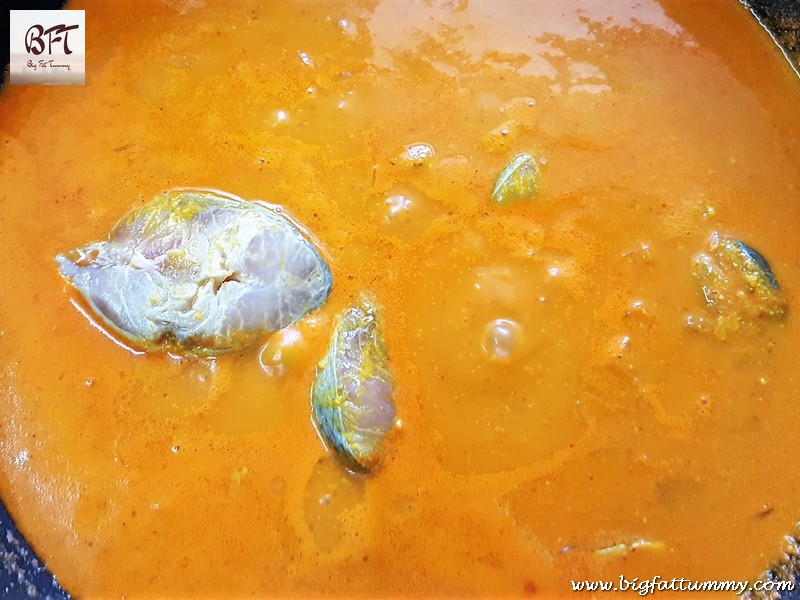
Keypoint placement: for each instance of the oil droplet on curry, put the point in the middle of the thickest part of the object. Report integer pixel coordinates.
(566, 404)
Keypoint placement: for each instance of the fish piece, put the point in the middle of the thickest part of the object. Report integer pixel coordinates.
(352, 393)
(519, 180)
(738, 284)
(199, 272)
(623, 549)
(416, 155)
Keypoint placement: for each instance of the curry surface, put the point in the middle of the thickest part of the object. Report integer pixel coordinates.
(600, 419)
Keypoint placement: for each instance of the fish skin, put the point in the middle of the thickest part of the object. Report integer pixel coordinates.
(198, 272)
(758, 264)
(351, 395)
(519, 180)
(738, 285)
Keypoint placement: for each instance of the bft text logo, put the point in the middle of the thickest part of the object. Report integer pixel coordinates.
(48, 47)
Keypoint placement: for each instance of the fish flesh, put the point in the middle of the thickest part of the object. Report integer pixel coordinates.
(351, 395)
(198, 272)
(738, 285)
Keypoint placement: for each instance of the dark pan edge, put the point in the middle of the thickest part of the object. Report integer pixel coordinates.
(781, 19)
(22, 574)
(785, 568)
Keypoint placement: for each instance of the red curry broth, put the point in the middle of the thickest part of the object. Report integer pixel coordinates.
(609, 422)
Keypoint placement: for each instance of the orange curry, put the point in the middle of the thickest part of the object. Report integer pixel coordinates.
(560, 414)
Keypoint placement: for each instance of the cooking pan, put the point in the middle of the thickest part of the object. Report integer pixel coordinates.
(23, 575)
